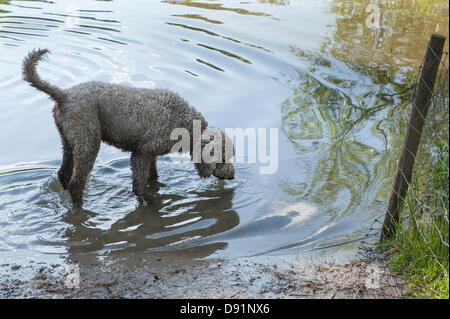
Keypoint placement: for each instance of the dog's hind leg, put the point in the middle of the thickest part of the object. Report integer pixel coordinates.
(140, 166)
(65, 172)
(83, 161)
(86, 144)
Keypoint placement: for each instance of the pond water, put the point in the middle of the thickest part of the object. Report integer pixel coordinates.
(334, 83)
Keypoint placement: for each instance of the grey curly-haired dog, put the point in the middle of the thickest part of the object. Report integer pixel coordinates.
(135, 120)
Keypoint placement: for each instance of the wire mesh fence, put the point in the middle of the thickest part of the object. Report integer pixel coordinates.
(416, 221)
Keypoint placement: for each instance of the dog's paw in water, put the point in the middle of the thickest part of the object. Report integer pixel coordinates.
(145, 200)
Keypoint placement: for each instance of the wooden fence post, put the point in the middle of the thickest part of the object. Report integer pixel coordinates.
(419, 111)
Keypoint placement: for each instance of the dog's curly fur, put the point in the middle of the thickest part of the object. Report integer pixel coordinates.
(136, 120)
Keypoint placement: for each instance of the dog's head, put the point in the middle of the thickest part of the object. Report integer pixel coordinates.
(216, 152)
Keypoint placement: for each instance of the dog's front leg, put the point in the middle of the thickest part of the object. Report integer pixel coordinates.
(153, 175)
(140, 165)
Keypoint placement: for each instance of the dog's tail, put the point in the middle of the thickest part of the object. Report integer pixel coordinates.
(30, 75)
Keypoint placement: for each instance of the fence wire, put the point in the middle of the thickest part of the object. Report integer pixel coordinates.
(424, 211)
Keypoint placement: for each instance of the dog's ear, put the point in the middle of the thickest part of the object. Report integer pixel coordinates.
(206, 139)
(211, 134)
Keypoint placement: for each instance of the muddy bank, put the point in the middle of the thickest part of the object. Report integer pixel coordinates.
(169, 276)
